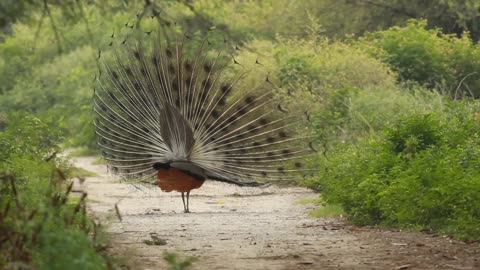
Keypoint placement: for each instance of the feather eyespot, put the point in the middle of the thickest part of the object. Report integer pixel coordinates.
(207, 68)
(225, 88)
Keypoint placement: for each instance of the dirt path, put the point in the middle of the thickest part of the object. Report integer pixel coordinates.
(253, 228)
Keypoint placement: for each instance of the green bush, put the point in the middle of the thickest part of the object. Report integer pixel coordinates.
(411, 134)
(423, 171)
(41, 225)
(429, 57)
(24, 135)
(318, 75)
(371, 110)
(322, 77)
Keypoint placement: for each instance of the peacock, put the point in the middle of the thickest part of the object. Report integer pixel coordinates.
(180, 110)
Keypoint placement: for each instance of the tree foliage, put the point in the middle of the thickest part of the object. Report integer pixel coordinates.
(429, 57)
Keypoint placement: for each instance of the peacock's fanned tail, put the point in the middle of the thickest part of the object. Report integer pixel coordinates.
(157, 101)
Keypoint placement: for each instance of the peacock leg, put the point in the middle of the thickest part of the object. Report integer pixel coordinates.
(185, 206)
(188, 200)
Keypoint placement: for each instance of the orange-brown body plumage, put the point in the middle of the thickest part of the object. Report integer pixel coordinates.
(173, 179)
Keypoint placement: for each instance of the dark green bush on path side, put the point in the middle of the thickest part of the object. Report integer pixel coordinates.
(423, 172)
(42, 226)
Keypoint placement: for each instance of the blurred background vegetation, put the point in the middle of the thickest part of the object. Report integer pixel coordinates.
(392, 86)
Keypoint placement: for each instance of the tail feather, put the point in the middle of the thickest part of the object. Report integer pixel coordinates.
(162, 102)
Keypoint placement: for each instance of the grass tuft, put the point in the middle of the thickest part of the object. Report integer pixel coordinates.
(317, 200)
(329, 210)
(83, 152)
(81, 172)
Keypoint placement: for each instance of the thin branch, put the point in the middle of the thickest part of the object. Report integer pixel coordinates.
(87, 24)
(37, 32)
(461, 82)
(54, 27)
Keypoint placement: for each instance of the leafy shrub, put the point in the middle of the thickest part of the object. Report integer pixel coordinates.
(370, 110)
(411, 134)
(429, 57)
(40, 225)
(324, 76)
(27, 136)
(318, 75)
(423, 172)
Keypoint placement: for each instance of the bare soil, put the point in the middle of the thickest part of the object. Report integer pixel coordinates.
(255, 228)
